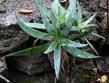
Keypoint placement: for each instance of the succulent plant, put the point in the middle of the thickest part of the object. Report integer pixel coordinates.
(61, 28)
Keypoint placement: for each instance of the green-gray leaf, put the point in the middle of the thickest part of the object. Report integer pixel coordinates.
(87, 26)
(44, 17)
(79, 13)
(57, 8)
(81, 26)
(37, 50)
(45, 10)
(35, 25)
(32, 32)
(71, 11)
(57, 60)
(95, 34)
(89, 20)
(54, 20)
(71, 43)
(51, 47)
(79, 53)
(91, 45)
(76, 36)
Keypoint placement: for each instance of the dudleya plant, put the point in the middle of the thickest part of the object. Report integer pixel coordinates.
(61, 27)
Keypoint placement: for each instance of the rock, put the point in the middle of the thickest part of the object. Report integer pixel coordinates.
(1, 1)
(8, 10)
(11, 39)
(3, 65)
(31, 64)
(11, 36)
(20, 77)
(3, 71)
(103, 4)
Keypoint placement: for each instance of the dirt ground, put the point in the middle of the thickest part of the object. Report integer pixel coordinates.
(83, 71)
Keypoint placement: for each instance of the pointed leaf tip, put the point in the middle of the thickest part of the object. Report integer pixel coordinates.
(57, 60)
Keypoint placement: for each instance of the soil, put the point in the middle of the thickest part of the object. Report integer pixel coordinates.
(83, 71)
(9, 8)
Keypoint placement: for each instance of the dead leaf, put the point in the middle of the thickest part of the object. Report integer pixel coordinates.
(24, 11)
(63, 1)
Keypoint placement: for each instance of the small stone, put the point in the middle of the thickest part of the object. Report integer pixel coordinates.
(103, 79)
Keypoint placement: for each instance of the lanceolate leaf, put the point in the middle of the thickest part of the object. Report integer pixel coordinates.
(54, 20)
(57, 60)
(54, 7)
(89, 20)
(91, 45)
(57, 9)
(35, 25)
(79, 53)
(32, 32)
(80, 35)
(44, 17)
(45, 10)
(76, 28)
(71, 43)
(87, 26)
(61, 11)
(37, 50)
(79, 13)
(69, 17)
(98, 36)
(71, 11)
(51, 47)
